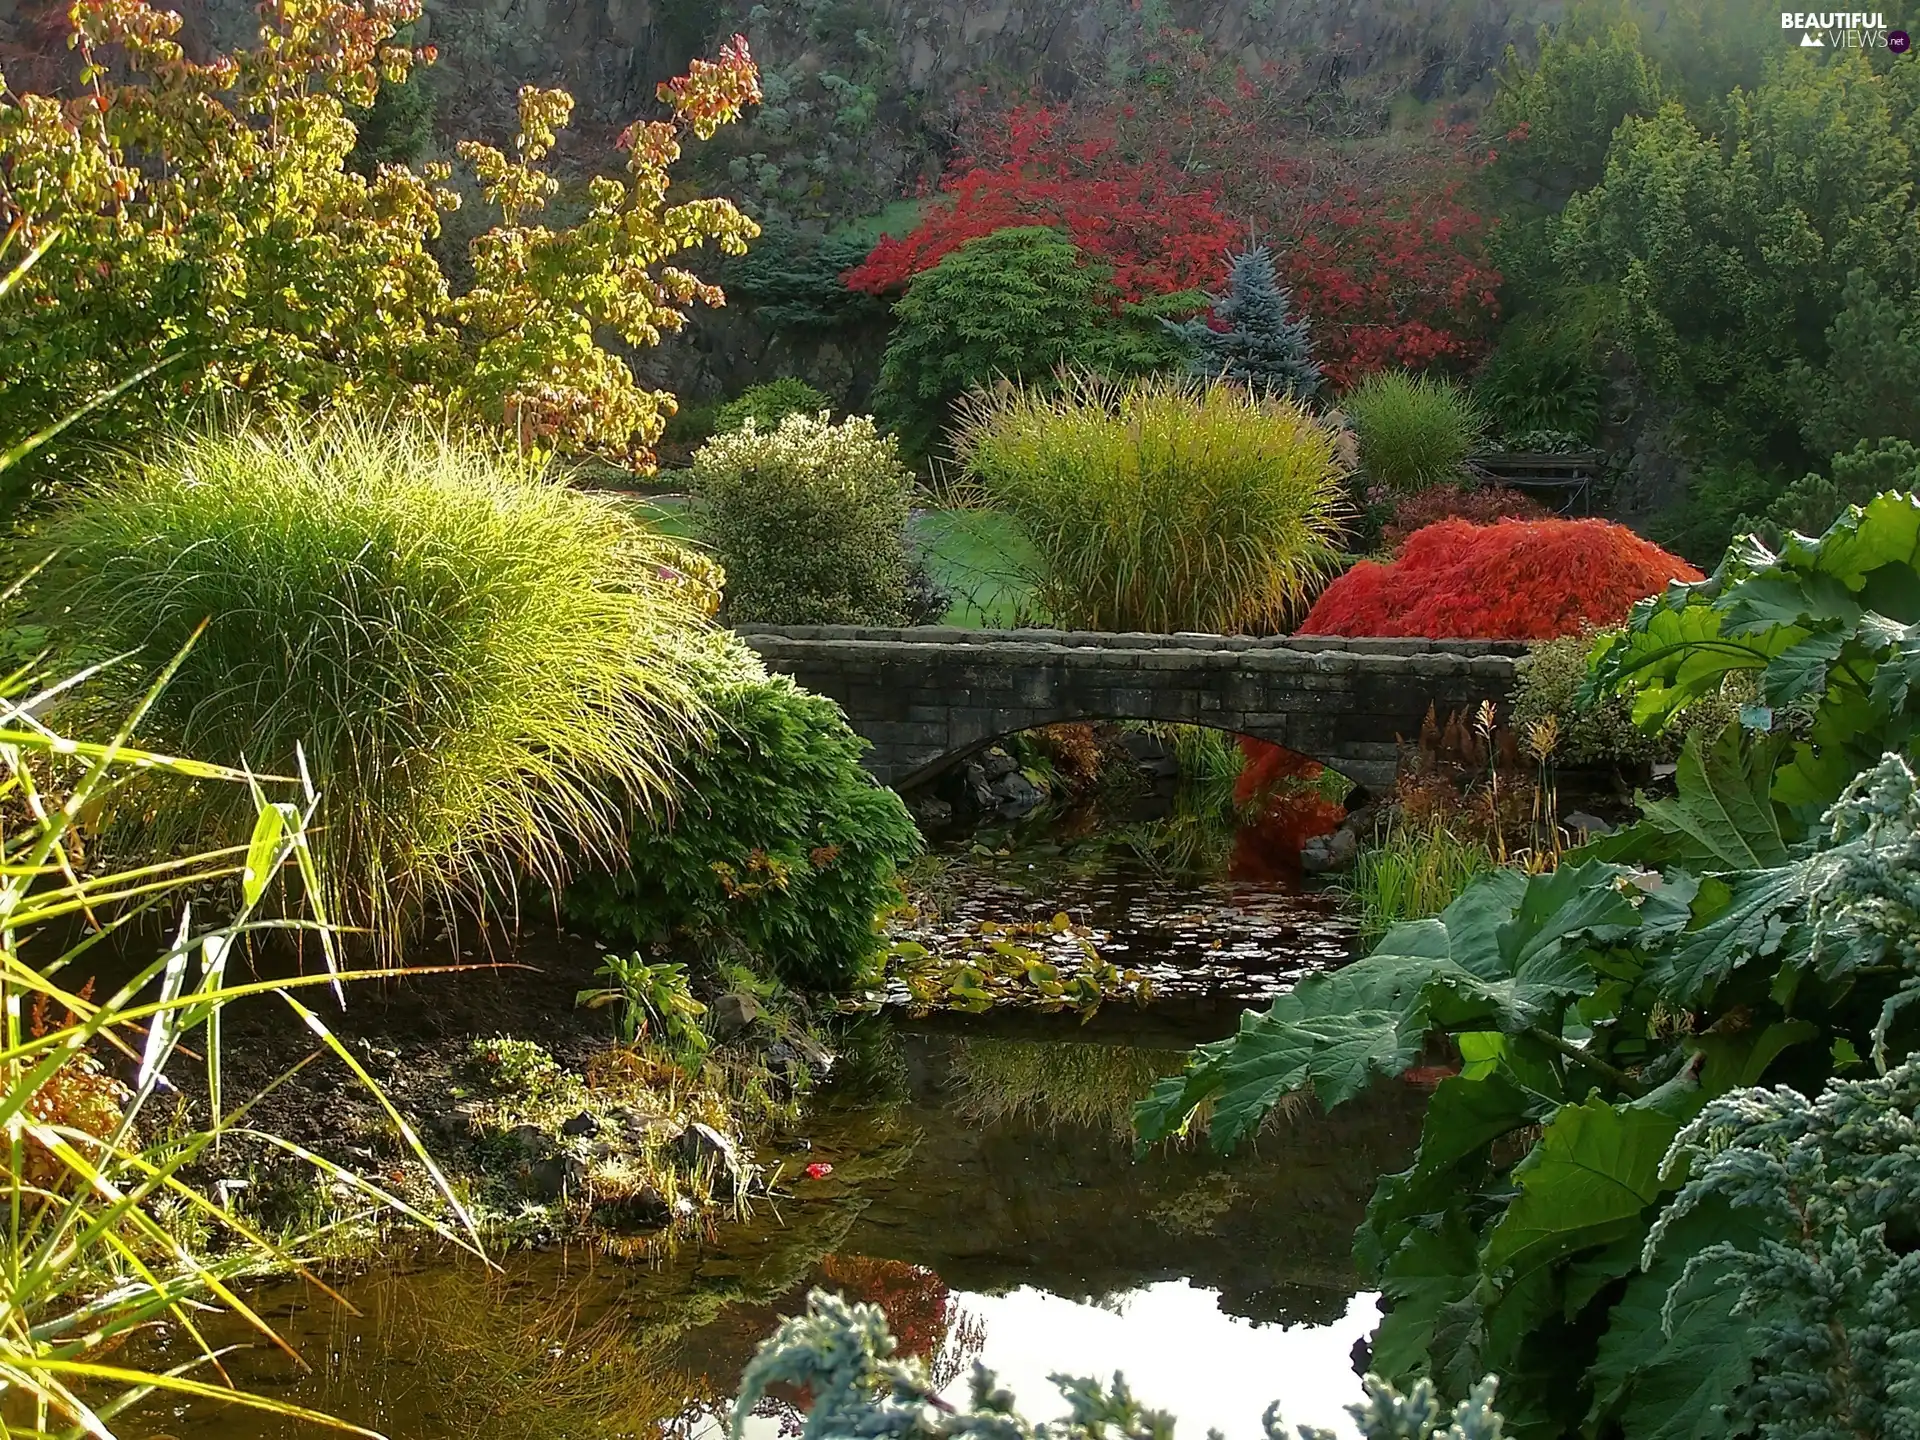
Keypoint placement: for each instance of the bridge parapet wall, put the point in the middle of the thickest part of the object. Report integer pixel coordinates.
(928, 697)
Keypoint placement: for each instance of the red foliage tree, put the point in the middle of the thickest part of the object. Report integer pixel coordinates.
(1514, 580)
(1392, 282)
(1141, 215)
(1162, 180)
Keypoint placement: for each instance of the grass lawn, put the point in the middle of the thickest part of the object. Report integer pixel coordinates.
(978, 555)
(981, 556)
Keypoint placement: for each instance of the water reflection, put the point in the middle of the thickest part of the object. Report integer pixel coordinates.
(983, 1191)
(990, 1203)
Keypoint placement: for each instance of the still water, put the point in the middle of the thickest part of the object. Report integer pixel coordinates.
(984, 1192)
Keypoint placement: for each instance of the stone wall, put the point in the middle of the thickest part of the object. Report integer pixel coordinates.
(927, 698)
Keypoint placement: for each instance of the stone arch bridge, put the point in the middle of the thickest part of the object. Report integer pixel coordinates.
(929, 697)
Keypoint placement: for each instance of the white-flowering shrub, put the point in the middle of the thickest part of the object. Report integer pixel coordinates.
(809, 520)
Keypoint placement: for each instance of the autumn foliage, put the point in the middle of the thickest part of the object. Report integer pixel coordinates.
(1143, 216)
(1514, 580)
(1382, 251)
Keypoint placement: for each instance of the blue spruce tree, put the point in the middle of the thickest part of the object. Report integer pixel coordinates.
(1262, 347)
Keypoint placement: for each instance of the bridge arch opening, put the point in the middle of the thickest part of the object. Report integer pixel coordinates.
(1164, 789)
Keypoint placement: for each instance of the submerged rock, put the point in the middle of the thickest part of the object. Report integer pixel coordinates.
(1016, 796)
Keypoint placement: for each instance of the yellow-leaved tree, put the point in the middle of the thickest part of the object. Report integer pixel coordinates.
(206, 219)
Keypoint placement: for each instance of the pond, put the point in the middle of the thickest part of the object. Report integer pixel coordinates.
(983, 1190)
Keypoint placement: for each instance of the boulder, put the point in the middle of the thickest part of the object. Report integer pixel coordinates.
(556, 1177)
(733, 1014)
(997, 763)
(1324, 854)
(1015, 796)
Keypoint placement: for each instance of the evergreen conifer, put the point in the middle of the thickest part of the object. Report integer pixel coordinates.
(1261, 346)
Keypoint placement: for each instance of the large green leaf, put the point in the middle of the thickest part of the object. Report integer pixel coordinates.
(1506, 955)
(1463, 1118)
(1435, 1268)
(1333, 1034)
(1724, 807)
(1820, 620)
(1747, 916)
(1588, 1182)
(1883, 532)
(1661, 1384)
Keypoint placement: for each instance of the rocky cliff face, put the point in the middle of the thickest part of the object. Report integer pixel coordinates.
(888, 73)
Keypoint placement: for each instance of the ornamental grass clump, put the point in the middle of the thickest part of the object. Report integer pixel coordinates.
(1162, 505)
(113, 1101)
(1414, 431)
(810, 521)
(478, 666)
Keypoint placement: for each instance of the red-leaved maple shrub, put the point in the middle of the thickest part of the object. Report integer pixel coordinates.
(1514, 580)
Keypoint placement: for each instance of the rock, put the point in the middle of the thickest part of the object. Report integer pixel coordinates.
(734, 1013)
(555, 1177)
(933, 812)
(644, 1130)
(581, 1124)
(529, 1139)
(1587, 824)
(1017, 796)
(1324, 854)
(997, 763)
(1146, 748)
(645, 1209)
(701, 1142)
(704, 1145)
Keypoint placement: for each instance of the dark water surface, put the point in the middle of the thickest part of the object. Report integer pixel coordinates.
(984, 1192)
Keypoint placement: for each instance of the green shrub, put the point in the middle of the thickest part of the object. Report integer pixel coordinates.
(691, 425)
(767, 405)
(1414, 431)
(1739, 498)
(472, 660)
(1764, 354)
(1813, 502)
(1161, 504)
(1600, 731)
(809, 520)
(1718, 494)
(783, 846)
(1545, 374)
(1013, 304)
